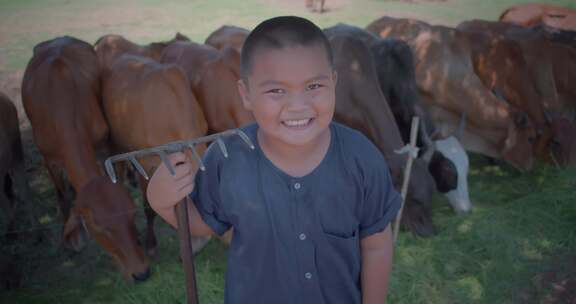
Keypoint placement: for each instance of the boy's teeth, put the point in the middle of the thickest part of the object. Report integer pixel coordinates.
(296, 123)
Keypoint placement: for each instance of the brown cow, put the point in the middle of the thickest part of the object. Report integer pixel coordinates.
(12, 172)
(213, 75)
(552, 67)
(535, 14)
(148, 104)
(553, 63)
(60, 93)
(360, 104)
(228, 36)
(452, 91)
(12, 182)
(500, 65)
(109, 47)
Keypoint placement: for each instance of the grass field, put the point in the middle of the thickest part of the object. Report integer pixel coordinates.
(518, 246)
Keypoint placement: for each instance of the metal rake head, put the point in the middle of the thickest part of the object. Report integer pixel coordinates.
(176, 146)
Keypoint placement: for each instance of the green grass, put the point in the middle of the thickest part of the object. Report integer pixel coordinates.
(518, 228)
(522, 225)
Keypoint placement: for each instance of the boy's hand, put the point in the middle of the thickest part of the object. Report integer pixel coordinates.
(166, 190)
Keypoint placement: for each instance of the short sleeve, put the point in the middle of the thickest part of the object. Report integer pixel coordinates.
(381, 200)
(206, 194)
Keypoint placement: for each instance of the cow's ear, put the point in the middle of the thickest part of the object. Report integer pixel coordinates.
(75, 234)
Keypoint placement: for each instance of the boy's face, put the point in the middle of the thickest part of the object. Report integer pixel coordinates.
(291, 93)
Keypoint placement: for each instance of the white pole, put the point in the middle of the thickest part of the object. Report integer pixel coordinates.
(407, 172)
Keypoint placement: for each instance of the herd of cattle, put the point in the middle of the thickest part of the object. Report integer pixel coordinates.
(496, 88)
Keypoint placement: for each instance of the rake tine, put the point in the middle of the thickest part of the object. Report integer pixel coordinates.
(246, 139)
(222, 146)
(166, 162)
(110, 170)
(197, 157)
(138, 167)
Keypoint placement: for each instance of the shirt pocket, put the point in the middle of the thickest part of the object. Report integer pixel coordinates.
(339, 264)
(344, 248)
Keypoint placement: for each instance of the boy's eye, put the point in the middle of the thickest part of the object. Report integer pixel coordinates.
(275, 91)
(314, 86)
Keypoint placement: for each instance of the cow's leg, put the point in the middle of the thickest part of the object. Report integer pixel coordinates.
(322, 5)
(18, 174)
(62, 192)
(6, 195)
(151, 242)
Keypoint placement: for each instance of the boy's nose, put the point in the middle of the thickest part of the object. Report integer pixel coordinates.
(297, 101)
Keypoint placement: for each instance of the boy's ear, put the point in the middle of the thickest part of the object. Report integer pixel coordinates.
(243, 90)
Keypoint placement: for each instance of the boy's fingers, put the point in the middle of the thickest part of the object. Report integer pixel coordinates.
(181, 171)
(176, 157)
(183, 168)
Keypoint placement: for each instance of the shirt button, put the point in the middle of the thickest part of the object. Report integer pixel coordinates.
(302, 236)
(308, 275)
(297, 186)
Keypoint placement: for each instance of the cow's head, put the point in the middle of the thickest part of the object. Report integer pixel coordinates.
(417, 214)
(518, 147)
(562, 146)
(105, 212)
(444, 172)
(452, 150)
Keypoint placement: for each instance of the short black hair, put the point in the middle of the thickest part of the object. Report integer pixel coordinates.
(281, 32)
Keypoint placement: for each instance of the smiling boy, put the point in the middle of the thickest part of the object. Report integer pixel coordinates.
(311, 205)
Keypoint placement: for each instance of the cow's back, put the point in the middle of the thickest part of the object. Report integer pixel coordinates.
(61, 96)
(152, 98)
(213, 76)
(190, 56)
(227, 36)
(535, 14)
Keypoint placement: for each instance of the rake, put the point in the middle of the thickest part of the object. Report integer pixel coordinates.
(186, 250)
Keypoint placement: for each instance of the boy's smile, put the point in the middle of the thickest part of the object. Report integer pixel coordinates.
(291, 92)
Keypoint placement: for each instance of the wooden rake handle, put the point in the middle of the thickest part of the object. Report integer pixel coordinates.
(181, 209)
(186, 250)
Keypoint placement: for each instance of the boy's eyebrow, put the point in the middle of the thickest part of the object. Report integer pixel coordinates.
(275, 82)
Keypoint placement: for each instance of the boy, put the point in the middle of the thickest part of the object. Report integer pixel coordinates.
(311, 205)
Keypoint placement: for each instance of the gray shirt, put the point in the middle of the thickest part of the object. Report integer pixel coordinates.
(296, 239)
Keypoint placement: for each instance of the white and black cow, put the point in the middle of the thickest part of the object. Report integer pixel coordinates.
(447, 160)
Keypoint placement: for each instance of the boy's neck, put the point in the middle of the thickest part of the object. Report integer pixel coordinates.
(296, 161)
